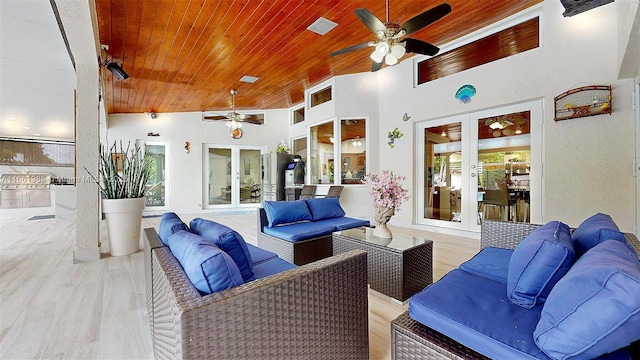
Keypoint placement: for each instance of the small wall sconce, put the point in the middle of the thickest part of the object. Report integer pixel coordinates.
(152, 115)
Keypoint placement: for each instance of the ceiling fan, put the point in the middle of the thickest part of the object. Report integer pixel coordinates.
(234, 120)
(387, 44)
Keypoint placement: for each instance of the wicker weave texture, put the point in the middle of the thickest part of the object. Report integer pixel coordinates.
(317, 311)
(152, 241)
(412, 340)
(396, 274)
(299, 252)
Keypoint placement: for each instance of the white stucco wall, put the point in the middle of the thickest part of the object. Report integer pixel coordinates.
(587, 162)
(185, 192)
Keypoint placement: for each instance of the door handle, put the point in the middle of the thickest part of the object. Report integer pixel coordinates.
(473, 174)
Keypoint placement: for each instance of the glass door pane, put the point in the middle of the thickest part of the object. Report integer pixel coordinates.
(504, 166)
(219, 177)
(249, 176)
(156, 186)
(443, 172)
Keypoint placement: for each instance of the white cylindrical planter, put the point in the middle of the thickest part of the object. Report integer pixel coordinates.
(124, 219)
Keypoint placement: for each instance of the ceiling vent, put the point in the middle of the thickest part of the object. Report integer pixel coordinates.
(322, 26)
(249, 79)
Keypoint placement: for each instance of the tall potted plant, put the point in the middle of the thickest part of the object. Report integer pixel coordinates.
(124, 174)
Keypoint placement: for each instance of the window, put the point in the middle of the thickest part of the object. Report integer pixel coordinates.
(321, 97)
(321, 154)
(16, 152)
(349, 164)
(353, 150)
(298, 115)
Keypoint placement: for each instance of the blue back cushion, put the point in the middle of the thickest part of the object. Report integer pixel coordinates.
(285, 212)
(209, 268)
(325, 208)
(594, 230)
(595, 308)
(228, 241)
(538, 262)
(170, 224)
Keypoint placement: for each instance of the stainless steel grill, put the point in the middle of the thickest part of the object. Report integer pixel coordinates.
(24, 190)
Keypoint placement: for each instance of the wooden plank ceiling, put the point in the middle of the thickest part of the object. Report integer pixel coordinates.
(186, 55)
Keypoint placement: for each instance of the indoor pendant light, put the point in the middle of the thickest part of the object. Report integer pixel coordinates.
(398, 50)
(390, 59)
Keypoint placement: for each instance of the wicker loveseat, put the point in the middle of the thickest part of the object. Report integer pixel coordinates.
(413, 340)
(300, 231)
(316, 311)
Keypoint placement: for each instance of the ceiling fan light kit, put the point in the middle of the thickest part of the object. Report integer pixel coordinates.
(233, 120)
(387, 45)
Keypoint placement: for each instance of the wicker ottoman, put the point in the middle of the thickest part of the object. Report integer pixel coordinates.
(398, 267)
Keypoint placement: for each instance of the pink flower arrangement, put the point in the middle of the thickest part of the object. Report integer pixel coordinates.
(386, 190)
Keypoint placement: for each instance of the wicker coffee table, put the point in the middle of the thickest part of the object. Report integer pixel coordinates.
(398, 267)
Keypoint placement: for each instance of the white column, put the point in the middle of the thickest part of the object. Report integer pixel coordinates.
(80, 27)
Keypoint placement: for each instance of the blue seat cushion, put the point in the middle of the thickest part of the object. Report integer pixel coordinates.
(270, 267)
(300, 231)
(229, 241)
(209, 268)
(491, 263)
(259, 255)
(325, 208)
(594, 230)
(475, 311)
(343, 223)
(595, 308)
(538, 262)
(285, 212)
(170, 223)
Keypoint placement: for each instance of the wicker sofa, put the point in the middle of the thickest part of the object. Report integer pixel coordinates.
(316, 311)
(303, 234)
(413, 340)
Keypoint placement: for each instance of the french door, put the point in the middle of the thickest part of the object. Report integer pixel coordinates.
(158, 184)
(486, 164)
(232, 176)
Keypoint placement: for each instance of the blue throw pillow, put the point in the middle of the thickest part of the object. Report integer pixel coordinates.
(209, 268)
(594, 230)
(595, 308)
(538, 262)
(170, 224)
(285, 212)
(325, 208)
(228, 241)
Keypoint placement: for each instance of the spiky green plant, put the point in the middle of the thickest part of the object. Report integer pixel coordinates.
(124, 172)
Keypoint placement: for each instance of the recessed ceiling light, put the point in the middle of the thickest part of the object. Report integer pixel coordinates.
(36, 134)
(249, 79)
(322, 26)
(11, 118)
(26, 127)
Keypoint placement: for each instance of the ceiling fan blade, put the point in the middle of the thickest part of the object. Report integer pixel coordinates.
(369, 20)
(420, 47)
(375, 66)
(257, 119)
(220, 117)
(419, 21)
(351, 48)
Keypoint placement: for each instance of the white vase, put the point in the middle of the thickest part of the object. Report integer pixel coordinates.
(124, 220)
(382, 231)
